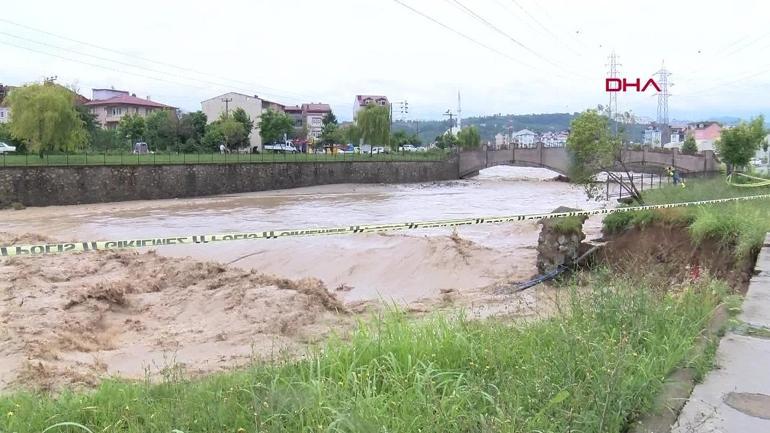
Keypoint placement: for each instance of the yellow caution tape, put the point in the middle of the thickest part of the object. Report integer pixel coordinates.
(762, 181)
(67, 247)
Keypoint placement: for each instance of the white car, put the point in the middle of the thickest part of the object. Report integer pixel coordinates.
(408, 148)
(756, 162)
(5, 148)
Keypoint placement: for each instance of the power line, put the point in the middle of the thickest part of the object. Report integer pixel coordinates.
(122, 71)
(545, 28)
(463, 35)
(132, 65)
(145, 59)
(486, 22)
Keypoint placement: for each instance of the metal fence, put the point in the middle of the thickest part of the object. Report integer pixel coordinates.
(643, 181)
(106, 158)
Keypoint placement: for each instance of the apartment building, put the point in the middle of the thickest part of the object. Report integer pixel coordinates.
(110, 105)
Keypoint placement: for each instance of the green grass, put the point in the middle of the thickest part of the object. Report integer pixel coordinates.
(740, 225)
(567, 225)
(593, 368)
(205, 158)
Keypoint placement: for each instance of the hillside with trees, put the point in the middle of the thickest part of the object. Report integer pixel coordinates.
(489, 126)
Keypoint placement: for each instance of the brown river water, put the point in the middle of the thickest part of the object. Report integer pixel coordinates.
(73, 319)
(398, 266)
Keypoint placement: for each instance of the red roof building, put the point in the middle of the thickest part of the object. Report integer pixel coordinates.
(109, 106)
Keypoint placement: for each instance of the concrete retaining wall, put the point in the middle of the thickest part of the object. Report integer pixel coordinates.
(44, 186)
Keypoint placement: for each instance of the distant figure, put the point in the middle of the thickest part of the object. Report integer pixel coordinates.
(677, 177)
(222, 148)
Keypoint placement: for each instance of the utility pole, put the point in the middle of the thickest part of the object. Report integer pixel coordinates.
(613, 72)
(663, 95)
(450, 114)
(227, 105)
(459, 112)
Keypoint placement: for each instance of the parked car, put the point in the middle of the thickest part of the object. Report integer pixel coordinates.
(280, 148)
(756, 162)
(408, 148)
(5, 148)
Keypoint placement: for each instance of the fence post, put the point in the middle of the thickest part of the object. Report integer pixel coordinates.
(607, 181)
(642, 182)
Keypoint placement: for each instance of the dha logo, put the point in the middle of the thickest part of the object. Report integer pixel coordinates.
(622, 85)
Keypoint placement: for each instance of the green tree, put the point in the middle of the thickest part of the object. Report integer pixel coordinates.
(739, 144)
(213, 137)
(161, 129)
(399, 139)
(192, 126)
(469, 138)
(234, 133)
(240, 116)
(45, 118)
(329, 119)
(689, 146)
(446, 141)
(131, 128)
(273, 125)
(594, 149)
(373, 122)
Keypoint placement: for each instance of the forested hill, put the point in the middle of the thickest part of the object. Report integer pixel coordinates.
(489, 126)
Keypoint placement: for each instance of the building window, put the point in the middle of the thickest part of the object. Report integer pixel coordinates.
(136, 110)
(117, 111)
(2, 114)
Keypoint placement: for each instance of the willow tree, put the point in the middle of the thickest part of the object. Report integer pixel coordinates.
(594, 149)
(45, 118)
(373, 123)
(469, 138)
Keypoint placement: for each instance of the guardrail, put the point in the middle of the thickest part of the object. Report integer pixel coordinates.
(81, 159)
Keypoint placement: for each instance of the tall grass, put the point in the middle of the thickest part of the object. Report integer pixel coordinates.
(740, 225)
(592, 368)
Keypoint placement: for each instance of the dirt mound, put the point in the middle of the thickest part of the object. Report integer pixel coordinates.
(668, 252)
(75, 318)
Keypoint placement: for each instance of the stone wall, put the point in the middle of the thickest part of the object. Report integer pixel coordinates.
(559, 244)
(44, 186)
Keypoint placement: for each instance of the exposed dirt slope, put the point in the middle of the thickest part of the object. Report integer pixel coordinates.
(669, 252)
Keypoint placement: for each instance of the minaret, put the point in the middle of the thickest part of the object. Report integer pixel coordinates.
(459, 112)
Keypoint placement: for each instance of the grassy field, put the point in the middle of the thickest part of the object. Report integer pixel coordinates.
(742, 225)
(592, 368)
(205, 158)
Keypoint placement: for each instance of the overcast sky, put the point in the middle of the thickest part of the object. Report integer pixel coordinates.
(545, 56)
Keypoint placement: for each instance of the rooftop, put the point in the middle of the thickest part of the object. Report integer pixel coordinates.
(316, 107)
(128, 100)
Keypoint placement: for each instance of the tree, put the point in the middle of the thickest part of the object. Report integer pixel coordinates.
(398, 139)
(192, 126)
(329, 119)
(373, 122)
(739, 144)
(594, 149)
(45, 118)
(233, 132)
(161, 129)
(273, 125)
(446, 141)
(240, 116)
(350, 133)
(469, 138)
(689, 146)
(131, 127)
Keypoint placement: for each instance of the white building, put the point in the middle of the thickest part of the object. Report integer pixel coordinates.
(252, 105)
(524, 138)
(501, 141)
(554, 139)
(364, 100)
(652, 137)
(5, 113)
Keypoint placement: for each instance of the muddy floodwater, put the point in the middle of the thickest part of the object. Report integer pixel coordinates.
(73, 319)
(398, 266)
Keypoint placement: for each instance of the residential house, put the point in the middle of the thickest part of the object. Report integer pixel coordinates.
(295, 113)
(312, 115)
(676, 137)
(706, 134)
(109, 106)
(554, 139)
(364, 100)
(652, 137)
(523, 138)
(253, 105)
(501, 141)
(5, 112)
